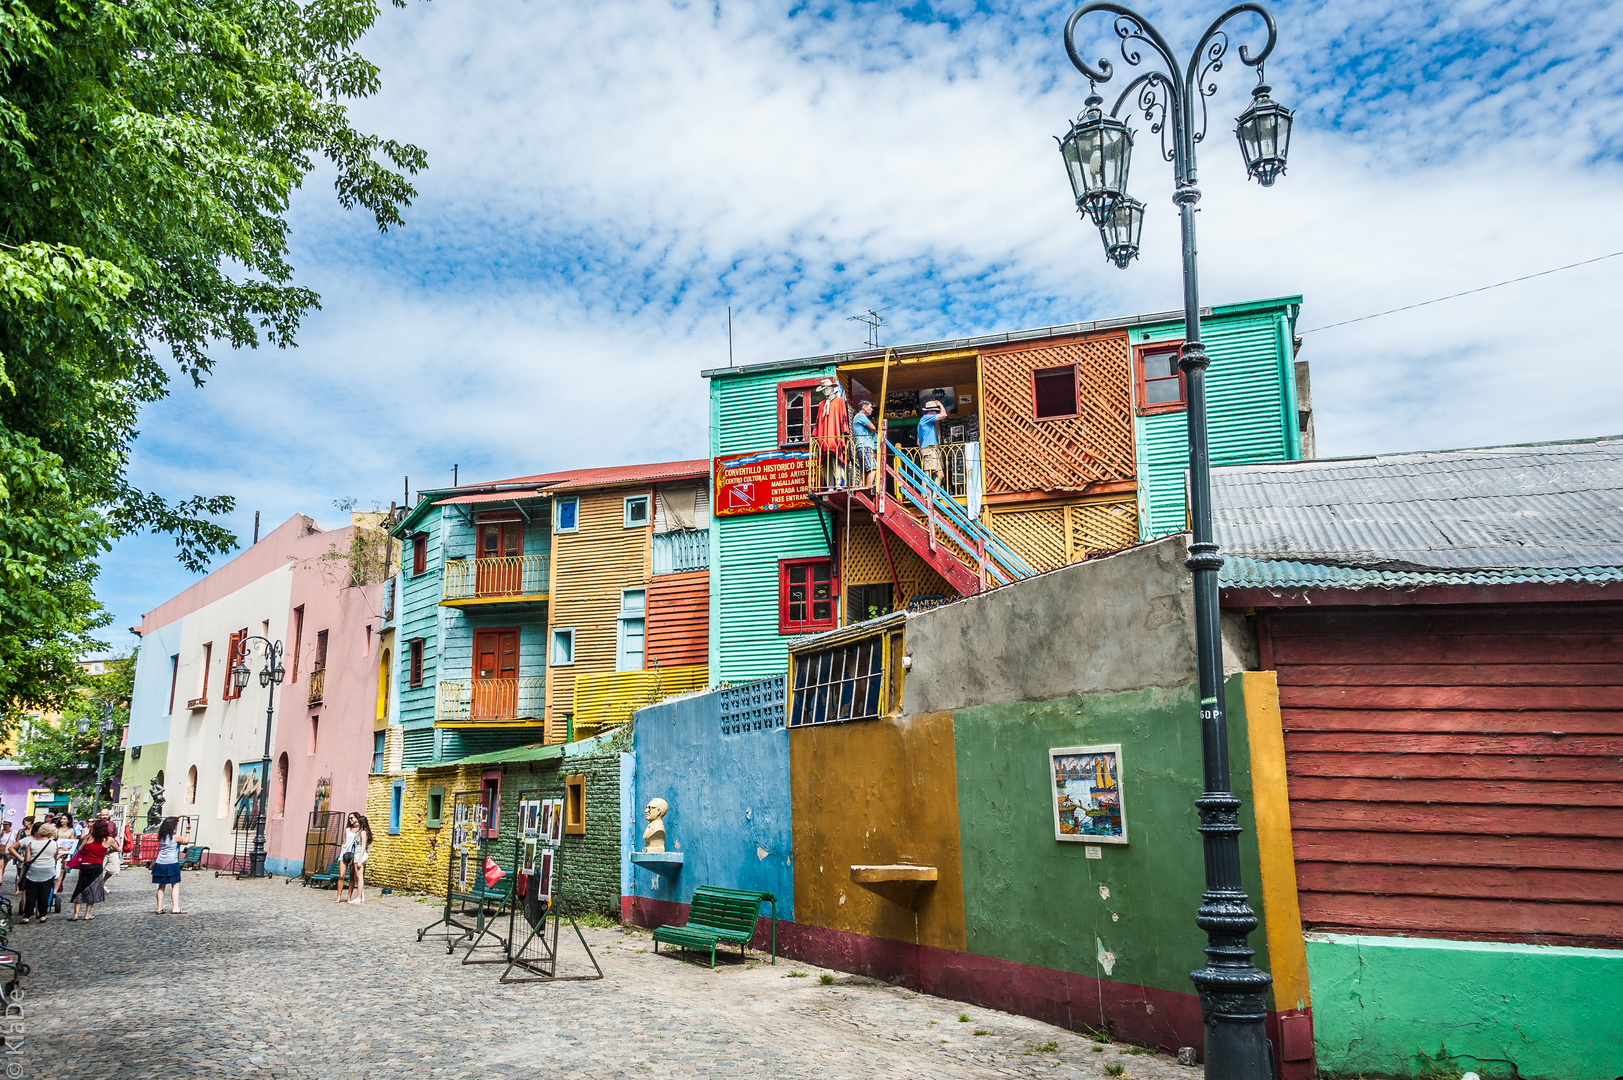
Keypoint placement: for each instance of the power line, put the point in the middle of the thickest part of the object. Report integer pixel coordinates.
(1467, 292)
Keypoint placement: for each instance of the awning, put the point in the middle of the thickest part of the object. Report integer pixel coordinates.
(536, 752)
(491, 496)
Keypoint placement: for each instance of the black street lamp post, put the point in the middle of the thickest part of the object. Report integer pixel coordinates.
(270, 676)
(1097, 152)
(104, 728)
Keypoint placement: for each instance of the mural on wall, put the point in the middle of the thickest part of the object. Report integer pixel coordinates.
(1087, 795)
(760, 482)
(323, 794)
(250, 792)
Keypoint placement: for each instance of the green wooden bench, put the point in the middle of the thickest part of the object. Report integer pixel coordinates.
(487, 895)
(720, 915)
(193, 859)
(329, 877)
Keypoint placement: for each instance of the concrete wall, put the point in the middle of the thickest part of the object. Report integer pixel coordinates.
(729, 806)
(1392, 1006)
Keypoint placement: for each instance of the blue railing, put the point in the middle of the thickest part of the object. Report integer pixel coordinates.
(1005, 564)
(680, 552)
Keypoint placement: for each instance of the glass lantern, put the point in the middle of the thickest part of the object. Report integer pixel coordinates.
(1264, 131)
(1097, 150)
(1121, 230)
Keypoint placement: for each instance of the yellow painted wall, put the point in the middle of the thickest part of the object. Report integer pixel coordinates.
(589, 568)
(417, 859)
(877, 792)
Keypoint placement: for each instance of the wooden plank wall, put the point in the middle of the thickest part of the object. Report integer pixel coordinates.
(678, 627)
(1456, 771)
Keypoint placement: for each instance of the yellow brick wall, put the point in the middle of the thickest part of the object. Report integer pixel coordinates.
(418, 859)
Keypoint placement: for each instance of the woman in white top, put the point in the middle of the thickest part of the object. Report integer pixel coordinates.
(39, 870)
(166, 867)
(352, 857)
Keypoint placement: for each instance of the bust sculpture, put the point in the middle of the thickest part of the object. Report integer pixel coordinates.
(653, 837)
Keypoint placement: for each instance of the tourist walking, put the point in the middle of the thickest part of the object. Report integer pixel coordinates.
(90, 889)
(18, 839)
(38, 871)
(8, 835)
(166, 867)
(352, 858)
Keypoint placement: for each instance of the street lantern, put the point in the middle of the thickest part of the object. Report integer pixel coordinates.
(1121, 230)
(1097, 150)
(239, 676)
(1264, 130)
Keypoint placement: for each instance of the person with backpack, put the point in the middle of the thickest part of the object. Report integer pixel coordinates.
(38, 866)
(166, 867)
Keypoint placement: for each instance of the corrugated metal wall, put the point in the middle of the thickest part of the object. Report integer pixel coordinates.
(589, 568)
(1251, 406)
(420, 618)
(745, 549)
(1456, 772)
(679, 619)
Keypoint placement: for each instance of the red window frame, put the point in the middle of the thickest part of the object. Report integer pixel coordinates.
(419, 554)
(233, 656)
(490, 793)
(784, 390)
(808, 624)
(1076, 392)
(1142, 383)
(414, 671)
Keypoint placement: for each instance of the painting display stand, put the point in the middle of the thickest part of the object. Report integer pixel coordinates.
(242, 853)
(537, 897)
(464, 873)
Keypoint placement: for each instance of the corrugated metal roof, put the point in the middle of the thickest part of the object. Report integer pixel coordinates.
(534, 752)
(1495, 515)
(491, 496)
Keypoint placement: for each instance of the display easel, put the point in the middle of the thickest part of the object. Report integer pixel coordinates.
(464, 874)
(537, 897)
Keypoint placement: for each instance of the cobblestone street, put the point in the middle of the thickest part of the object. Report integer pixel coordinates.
(265, 979)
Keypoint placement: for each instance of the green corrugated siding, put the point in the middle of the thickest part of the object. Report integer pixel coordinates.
(418, 748)
(456, 744)
(420, 618)
(1251, 411)
(744, 552)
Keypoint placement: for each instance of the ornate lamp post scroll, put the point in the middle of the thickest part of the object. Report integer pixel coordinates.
(1096, 151)
(270, 675)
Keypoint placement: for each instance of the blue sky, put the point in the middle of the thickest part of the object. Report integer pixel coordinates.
(605, 179)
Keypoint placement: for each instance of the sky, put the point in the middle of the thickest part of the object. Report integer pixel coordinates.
(605, 180)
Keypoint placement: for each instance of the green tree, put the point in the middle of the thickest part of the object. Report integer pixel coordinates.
(148, 150)
(57, 751)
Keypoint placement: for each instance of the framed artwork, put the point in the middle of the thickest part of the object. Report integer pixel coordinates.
(462, 870)
(532, 817)
(529, 855)
(946, 395)
(1086, 794)
(544, 818)
(555, 834)
(543, 876)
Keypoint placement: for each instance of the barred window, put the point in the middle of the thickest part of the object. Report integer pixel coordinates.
(854, 680)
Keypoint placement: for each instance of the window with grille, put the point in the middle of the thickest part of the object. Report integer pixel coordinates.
(854, 680)
(796, 412)
(807, 596)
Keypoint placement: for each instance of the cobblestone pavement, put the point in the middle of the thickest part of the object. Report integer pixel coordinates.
(266, 979)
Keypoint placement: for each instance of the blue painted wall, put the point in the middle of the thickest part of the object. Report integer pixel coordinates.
(728, 796)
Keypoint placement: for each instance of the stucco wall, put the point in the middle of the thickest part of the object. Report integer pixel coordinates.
(877, 793)
(729, 801)
(1388, 1006)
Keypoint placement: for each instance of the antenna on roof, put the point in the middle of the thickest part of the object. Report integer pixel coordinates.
(872, 321)
(729, 335)
(256, 526)
(454, 469)
(406, 498)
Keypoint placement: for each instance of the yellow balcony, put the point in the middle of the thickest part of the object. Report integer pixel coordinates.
(609, 698)
(489, 702)
(503, 580)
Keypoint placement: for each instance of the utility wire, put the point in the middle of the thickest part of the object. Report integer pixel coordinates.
(1467, 292)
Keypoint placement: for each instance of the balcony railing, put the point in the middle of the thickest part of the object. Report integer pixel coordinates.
(318, 679)
(495, 701)
(506, 577)
(679, 552)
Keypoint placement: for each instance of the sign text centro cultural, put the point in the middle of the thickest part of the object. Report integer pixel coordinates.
(760, 482)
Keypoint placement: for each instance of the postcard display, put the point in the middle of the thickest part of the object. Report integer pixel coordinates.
(465, 878)
(537, 899)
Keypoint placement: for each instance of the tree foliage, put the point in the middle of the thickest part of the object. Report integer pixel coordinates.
(66, 758)
(148, 151)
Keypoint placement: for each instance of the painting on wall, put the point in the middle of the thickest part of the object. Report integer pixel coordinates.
(250, 790)
(946, 395)
(323, 794)
(1087, 794)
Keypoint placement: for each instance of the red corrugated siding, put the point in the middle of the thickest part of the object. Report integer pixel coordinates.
(679, 619)
(1456, 771)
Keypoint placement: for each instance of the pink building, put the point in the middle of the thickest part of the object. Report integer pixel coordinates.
(320, 593)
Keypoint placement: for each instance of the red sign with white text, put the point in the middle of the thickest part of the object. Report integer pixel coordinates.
(761, 482)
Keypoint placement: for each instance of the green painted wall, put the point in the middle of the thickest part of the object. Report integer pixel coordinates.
(590, 864)
(744, 550)
(1385, 1006)
(1036, 900)
(139, 773)
(1251, 387)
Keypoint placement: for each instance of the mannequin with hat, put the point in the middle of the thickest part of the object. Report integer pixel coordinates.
(831, 429)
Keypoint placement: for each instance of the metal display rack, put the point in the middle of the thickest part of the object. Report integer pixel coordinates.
(464, 877)
(538, 897)
(242, 854)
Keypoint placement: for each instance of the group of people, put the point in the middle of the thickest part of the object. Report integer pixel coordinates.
(45, 850)
(835, 420)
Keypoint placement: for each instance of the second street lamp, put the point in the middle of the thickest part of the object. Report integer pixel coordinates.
(1172, 97)
(270, 676)
(104, 727)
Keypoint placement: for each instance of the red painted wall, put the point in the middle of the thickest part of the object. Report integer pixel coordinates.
(1455, 770)
(679, 619)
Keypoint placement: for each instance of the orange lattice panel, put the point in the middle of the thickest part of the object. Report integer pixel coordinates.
(1023, 453)
(1037, 536)
(1098, 525)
